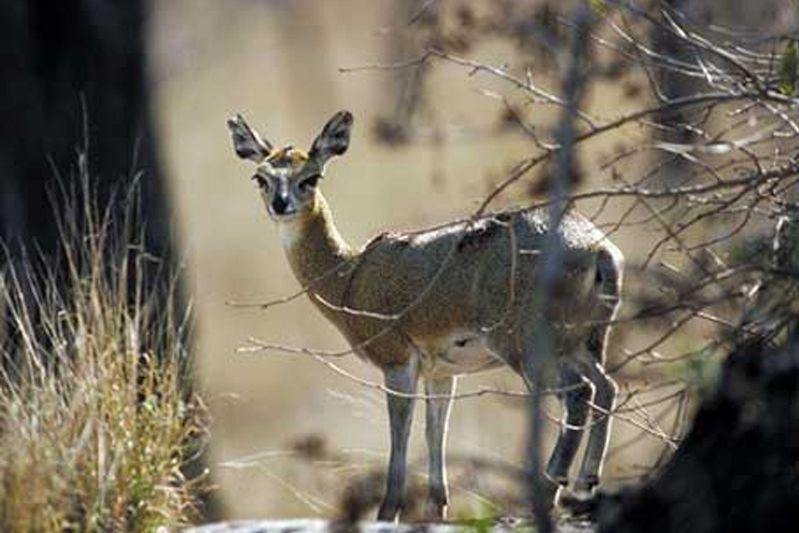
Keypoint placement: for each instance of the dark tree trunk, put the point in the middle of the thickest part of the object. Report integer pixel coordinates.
(74, 77)
(736, 471)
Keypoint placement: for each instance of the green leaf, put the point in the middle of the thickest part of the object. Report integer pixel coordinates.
(482, 523)
(788, 66)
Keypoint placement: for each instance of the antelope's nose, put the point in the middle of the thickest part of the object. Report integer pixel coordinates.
(280, 204)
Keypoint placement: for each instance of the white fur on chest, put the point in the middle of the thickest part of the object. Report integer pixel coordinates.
(290, 232)
(457, 353)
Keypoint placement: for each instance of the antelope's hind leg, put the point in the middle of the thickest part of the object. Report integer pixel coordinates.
(575, 399)
(599, 433)
(592, 368)
(609, 276)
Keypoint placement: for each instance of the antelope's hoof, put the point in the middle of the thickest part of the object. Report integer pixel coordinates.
(577, 503)
(435, 512)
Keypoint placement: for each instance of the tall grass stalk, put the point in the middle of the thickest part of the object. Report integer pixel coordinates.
(96, 418)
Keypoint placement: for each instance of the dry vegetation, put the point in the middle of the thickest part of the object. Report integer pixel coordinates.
(96, 418)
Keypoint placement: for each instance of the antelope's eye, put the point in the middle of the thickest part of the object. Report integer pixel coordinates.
(262, 182)
(309, 183)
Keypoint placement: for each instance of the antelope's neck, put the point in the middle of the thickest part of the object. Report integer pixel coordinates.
(315, 250)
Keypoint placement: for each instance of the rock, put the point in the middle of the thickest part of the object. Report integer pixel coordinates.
(328, 526)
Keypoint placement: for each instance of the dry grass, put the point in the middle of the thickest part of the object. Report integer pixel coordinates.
(95, 418)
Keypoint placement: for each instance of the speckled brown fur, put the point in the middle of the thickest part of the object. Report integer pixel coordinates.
(472, 292)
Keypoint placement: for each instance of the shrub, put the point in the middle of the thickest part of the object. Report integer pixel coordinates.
(96, 416)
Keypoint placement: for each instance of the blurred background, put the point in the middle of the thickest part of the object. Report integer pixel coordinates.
(431, 140)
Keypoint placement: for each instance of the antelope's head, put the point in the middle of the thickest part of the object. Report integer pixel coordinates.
(288, 177)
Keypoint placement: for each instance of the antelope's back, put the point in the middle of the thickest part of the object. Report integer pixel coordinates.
(463, 276)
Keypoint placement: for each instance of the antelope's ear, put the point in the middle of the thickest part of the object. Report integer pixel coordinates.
(334, 138)
(246, 141)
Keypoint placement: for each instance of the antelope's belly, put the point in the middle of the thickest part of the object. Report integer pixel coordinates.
(457, 353)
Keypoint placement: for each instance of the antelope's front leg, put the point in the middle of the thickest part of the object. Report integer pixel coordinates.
(400, 378)
(436, 431)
